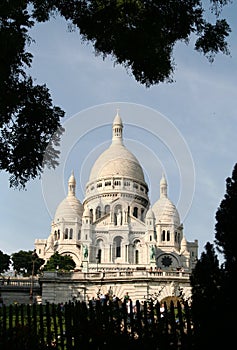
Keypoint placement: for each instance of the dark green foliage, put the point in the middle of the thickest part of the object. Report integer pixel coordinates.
(226, 224)
(140, 35)
(226, 241)
(213, 306)
(23, 262)
(29, 123)
(4, 262)
(206, 282)
(60, 262)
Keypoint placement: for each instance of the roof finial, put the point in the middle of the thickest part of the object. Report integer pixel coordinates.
(72, 184)
(117, 129)
(163, 186)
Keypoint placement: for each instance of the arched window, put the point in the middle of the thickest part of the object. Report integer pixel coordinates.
(107, 209)
(175, 236)
(66, 234)
(99, 250)
(163, 236)
(135, 212)
(98, 213)
(79, 235)
(168, 235)
(71, 233)
(136, 257)
(117, 242)
(58, 234)
(98, 256)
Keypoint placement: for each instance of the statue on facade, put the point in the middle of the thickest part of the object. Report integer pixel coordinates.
(152, 252)
(119, 218)
(85, 251)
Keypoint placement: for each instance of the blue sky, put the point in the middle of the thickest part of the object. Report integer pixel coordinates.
(198, 110)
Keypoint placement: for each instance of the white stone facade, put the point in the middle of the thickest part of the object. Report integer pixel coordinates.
(115, 226)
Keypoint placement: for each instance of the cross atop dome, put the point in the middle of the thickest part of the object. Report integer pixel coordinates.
(117, 129)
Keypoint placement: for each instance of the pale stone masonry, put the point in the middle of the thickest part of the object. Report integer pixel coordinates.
(116, 229)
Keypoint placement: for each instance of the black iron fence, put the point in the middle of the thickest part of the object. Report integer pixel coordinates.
(97, 325)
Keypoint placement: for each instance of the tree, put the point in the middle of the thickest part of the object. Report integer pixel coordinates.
(26, 261)
(4, 262)
(213, 287)
(141, 35)
(226, 224)
(60, 262)
(29, 123)
(138, 34)
(226, 242)
(206, 281)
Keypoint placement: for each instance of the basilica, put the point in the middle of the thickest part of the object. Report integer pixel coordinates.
(115, 226)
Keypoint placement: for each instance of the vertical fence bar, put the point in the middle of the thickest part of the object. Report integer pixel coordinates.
(48, 325)
(60, 313)
(41, 324)
(34, 315)
(55, 327)
(68, 325)
(22, 314)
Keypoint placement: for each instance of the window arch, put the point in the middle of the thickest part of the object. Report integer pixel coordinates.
(98, 212)
(136, 256)
(99, 250)
(118, 241)
(175, 236)
(163, 236)
(107, 209)
(71, 233)
(168, 235)
(66, 234)
(135, 212)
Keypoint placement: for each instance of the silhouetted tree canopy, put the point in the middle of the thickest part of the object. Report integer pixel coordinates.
(60, 262)
(141, 34)
(28, 119)
(226, 224)
(4, 262)
(213, 287)
(138, 34)
(206, 281)
(23, 262)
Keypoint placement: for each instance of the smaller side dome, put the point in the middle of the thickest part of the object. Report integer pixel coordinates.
(70, 208)
(164, 210)
(150, 214)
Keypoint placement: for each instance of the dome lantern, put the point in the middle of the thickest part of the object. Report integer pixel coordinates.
(163, 187)
(117, 129)
(72, 185)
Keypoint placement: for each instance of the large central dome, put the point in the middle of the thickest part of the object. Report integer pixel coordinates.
(117, 160)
